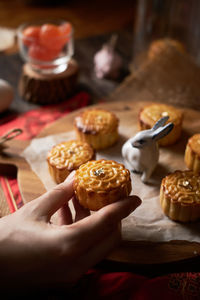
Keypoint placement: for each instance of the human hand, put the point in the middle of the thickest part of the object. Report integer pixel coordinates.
(36, 251)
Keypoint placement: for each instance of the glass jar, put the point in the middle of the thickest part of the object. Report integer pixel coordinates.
(173, 19)
(46, 45)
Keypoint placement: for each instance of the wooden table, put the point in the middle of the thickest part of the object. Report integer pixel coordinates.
(163, 256)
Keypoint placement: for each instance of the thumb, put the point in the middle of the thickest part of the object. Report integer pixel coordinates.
(51, 201)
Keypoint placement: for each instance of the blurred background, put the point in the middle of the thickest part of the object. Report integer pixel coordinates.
(137, 24)
(93, 21)
(88, 17)
(149, 19)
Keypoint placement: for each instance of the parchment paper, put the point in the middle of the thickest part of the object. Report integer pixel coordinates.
(148, 221)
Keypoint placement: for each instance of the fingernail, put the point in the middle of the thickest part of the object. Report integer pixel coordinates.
(70, 176)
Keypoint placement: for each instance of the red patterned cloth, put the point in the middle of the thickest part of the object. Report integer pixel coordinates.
(97, 284)
(33, 121)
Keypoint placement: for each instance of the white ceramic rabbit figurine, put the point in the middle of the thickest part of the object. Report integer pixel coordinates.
(141, 152)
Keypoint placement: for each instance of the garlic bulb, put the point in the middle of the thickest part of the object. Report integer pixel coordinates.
(6, 95)
(107, 63)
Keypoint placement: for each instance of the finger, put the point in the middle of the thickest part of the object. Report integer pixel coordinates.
(50, 202)
(110, 215)
(100, 250)
(81, 212)
(64, 215)
(91, 229)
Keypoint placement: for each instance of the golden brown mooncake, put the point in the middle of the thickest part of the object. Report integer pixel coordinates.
(98, 127)
(151, 113)
(66, 157)
(161, 45)
(101, 182)
(192, 153)
(180, 196)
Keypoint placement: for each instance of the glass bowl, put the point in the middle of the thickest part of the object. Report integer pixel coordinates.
(46, 45)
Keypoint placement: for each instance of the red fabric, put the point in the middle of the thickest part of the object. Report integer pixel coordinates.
(97, 284)
(173, 286)
(128, 286)
(116, 285)
(33, 121)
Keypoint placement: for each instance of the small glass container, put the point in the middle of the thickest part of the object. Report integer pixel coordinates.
(46, 45)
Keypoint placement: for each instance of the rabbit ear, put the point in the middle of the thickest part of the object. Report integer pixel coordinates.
(160, 123)
(162, 131)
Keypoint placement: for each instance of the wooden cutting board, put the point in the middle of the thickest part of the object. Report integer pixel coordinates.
(31, 186)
